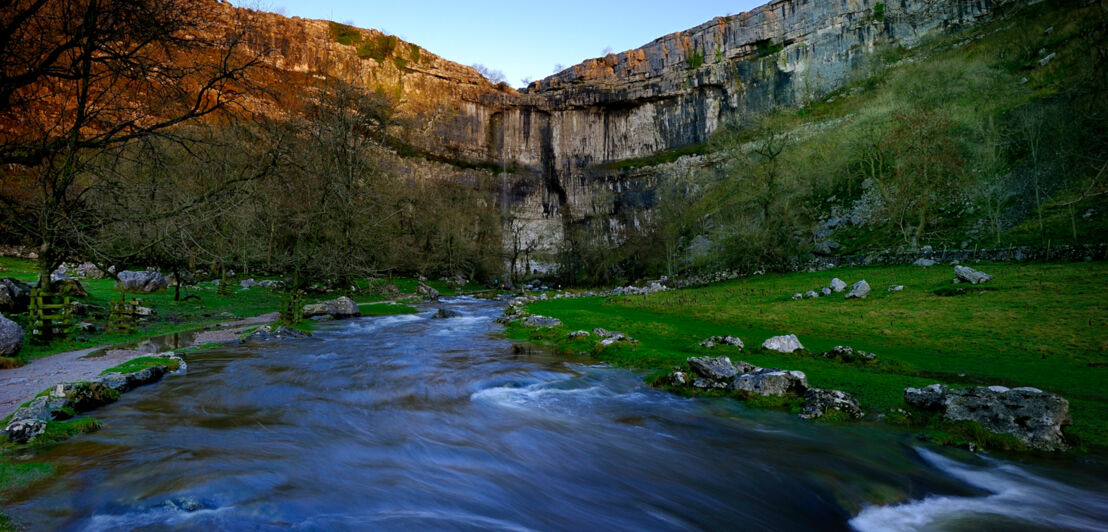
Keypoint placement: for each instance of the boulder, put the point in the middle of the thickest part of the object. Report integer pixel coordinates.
(71, 287)
(837, 285)
(679, 378)
(783, 344)
(714, 368)
(712, 342)
(445, 313)
(145, 282)
(896, 288)
(763, 381)
(811, 294)
(926, 263)
(824, 292)
(11, 337)
(798, 296)
(1032, 416)
(125, 382)
(343, 307)
(88, 270)
(860, 290)
(248, 283)
(426, 292)
(818, 402)
(965, 274)
(15, 295)
(24, 430)
(44, 408)
(579, 334)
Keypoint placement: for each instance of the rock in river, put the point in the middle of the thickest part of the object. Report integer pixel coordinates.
(445, 313)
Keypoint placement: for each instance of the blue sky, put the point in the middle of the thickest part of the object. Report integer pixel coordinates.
(521, 38)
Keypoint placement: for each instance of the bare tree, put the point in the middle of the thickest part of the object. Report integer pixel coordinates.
(80, 78)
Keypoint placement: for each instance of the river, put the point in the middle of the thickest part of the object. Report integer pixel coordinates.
(412, 423)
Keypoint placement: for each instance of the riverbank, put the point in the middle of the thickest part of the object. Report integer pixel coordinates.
(1038, 325)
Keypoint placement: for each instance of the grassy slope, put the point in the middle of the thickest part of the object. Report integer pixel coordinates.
(969, 78)
(1039, 325)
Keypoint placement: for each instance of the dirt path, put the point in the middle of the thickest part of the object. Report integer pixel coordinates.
(22, 383)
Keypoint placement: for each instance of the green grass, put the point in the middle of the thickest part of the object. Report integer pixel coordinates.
(386, 309)
(344, 34)
(1041, 325)
(141, 363)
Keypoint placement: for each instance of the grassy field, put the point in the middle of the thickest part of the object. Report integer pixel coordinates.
(1041, 325)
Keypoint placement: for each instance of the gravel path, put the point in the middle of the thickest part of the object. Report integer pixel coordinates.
(21, 384)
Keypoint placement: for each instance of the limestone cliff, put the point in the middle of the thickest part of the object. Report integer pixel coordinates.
(561, 133)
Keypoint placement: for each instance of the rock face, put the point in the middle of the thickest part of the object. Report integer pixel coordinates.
(340, 308)
(860, 290)
(1034, 417)
(965, 274)
(562, 131)
(11, 337)
(15, 295)
(145, 282)
(818, 402)
(783, 344)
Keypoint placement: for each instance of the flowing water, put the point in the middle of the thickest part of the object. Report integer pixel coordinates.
(412, 423)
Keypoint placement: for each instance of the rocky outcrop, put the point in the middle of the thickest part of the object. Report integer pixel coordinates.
(712, 342)
(842, 353)
(541, 321)
(720, 373)
(11, 337)
(340, 308)
(1032, 416)
(145, 282)
(819, 402)
(765, 381)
